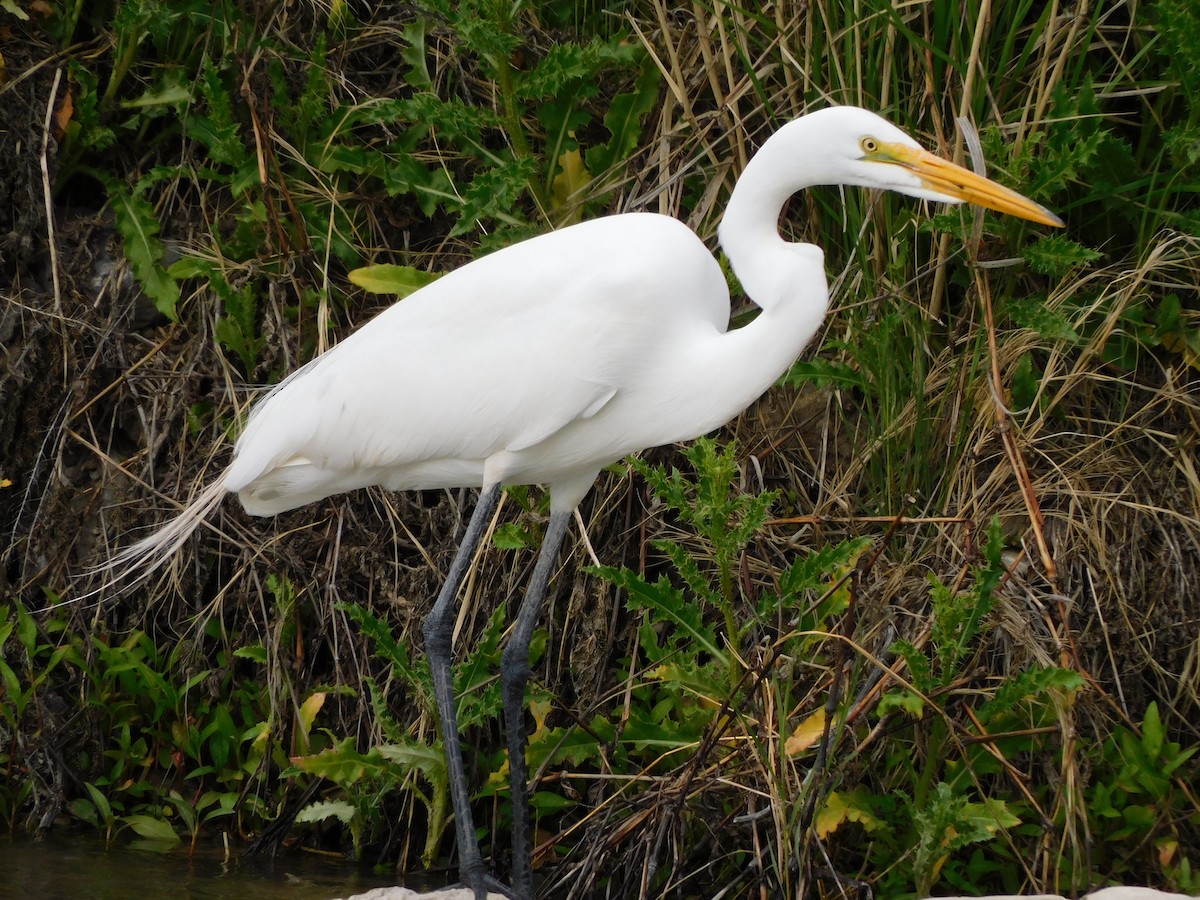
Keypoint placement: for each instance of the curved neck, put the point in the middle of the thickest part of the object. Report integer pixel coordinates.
(786, 280)
(749, 230)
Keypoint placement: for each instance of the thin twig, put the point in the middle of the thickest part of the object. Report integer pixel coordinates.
(47, 193)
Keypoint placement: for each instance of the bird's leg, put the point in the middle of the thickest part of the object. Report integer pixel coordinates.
(439, 631)
(514, 675)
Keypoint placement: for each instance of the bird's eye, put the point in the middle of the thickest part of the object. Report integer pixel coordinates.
(869, 145)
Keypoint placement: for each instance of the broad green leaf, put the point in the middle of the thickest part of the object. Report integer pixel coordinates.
(386, 278)
(151, 828)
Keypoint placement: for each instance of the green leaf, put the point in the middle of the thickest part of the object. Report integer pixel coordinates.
(822, 373)
(624, 121)
(1034, 314)
(667, 604)
(26, 631)
(513, 536)
(151, 828)
(327, 809)
(139, 232)
(11, 7)
(163, 95)
(255, 652)
(1153, 734)
(549, 803)
(902, 700)
(237, 328)
(1027, 685)
(82, 809)
(412, 51)
(386, 278)
(343, 764)
(493, 193)
(1056, 255)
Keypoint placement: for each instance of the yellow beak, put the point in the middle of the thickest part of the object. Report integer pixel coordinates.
(945, 177)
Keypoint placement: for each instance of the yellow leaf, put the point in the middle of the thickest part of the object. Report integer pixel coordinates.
(832, 814)
(540, 709)
(62, 115)
(308, 711)
(574, 177)
(842, 808)
(807, 733)
(389, 279)
(1167, 849)
(1177, 343)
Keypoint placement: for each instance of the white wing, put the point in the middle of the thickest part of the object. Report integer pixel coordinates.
(494, 357)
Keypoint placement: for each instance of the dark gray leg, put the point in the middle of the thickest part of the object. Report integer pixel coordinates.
(514, 675)
(439, 629)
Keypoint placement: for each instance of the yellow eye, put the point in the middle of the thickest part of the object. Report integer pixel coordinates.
(869, 145)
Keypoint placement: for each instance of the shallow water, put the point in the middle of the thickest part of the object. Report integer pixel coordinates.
(72, 867)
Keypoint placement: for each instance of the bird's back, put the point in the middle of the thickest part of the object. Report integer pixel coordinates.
(492, 358)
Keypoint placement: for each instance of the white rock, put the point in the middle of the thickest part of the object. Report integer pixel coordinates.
(1109, 893)
(399, 893)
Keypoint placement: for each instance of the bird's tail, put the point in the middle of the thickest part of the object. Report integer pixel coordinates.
(139, 560)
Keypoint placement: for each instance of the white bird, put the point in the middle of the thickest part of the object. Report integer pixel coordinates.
(1124, 892)
(550, 359)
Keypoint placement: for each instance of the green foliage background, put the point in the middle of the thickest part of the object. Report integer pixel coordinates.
(923, 619)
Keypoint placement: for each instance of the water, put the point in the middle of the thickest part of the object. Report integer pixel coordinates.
(76, 868)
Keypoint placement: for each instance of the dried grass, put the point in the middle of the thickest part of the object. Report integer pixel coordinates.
(1110, 457)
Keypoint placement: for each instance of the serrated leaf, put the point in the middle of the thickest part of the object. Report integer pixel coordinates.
(493, 193)
(1056, 255)
(164, 95)
(667, 604)
(988, 817)
(139, 233)
(1030, 684)
(904, 700)
(512, 536)
(412, 51)
(841, 808)
(624, 120)
(327, 809)
(255, 652)
(822, 373)
(1034, 314)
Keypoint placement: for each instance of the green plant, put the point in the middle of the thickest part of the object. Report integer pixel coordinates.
(1144, 784)
(400, 762)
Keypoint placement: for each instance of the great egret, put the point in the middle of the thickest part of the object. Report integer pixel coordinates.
(1123, 892)
(550, 359)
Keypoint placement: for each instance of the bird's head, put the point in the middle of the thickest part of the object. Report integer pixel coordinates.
(869, 151)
